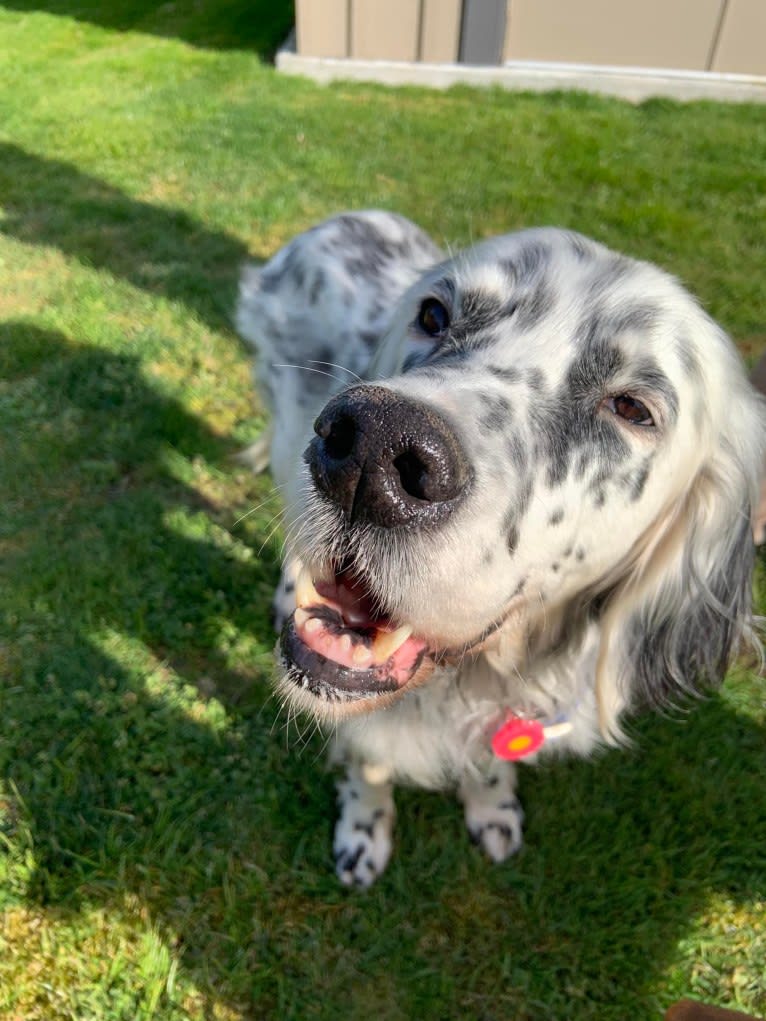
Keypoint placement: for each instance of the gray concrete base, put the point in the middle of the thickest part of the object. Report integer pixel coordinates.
(631, 83)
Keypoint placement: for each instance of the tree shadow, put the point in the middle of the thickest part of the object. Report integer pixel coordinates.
(101, 495)
(259, 25)
(162, 251)
(124, 784)
(115, 620)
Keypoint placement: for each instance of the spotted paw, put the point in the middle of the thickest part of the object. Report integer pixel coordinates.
(496, 828)
(362, 844)
(362, 847)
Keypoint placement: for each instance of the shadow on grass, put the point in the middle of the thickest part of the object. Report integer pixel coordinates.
(95, 478)
(126, 786)
(162, 251)
(124, 780)
(259, 25)
(115, 601)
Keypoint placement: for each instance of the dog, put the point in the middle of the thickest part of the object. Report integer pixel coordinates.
(524, 510)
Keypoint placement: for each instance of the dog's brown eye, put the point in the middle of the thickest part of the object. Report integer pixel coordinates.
(631, 409)
(433, 318)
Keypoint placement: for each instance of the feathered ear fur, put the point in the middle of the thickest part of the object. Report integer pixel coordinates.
(672, 624)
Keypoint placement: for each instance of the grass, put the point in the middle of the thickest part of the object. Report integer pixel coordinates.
(166, 841)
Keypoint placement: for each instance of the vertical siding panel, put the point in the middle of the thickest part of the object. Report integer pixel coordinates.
(742, 41)
(440, 36)
(385, 29)
(322, 28)
(483, 31)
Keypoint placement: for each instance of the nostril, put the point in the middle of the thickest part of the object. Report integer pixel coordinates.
(339, 437)
(413, 474)
(386, 460)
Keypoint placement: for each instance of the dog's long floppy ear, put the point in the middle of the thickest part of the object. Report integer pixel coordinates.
(683, 609)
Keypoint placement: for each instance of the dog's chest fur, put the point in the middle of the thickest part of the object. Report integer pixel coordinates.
(433, 735)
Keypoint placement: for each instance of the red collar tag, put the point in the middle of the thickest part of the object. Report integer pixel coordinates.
(517, 738)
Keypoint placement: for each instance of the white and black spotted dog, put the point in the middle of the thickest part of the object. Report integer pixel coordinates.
(524, 507)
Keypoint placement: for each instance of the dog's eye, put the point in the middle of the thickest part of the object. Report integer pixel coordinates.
(433, 318)
(630, 408)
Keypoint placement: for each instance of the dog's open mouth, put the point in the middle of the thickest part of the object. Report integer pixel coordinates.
(340, 646)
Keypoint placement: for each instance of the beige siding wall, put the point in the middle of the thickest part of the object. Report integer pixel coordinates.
(385, 29)
(645, 33)
(719, 35)
(440, 35)
(742, 43)
(322, 27)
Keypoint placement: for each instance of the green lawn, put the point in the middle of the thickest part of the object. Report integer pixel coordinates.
(165, 836)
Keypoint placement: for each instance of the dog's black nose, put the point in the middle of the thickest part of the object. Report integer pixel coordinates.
(387, 460)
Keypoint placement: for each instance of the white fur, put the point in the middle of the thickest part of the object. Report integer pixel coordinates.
(607, 599)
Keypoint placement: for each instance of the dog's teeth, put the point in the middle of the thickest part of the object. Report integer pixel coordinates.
(345, 642)
(387, 642)
(305, 593)
(313, 624)
(300, 617)
(362, 656)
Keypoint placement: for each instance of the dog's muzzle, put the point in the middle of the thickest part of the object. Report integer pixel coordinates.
(386, 460)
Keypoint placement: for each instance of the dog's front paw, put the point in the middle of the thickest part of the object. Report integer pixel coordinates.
(496, 829)
(363, 833)
(362, 849)
(493, 814)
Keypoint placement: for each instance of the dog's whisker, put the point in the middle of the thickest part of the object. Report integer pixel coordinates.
(273, 495)
(282, 711)
(328, 739)
(293, 522)
(279, 518)
(335, 365)
(310, 368)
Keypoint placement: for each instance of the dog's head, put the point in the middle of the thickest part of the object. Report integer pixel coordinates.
(554, 433)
